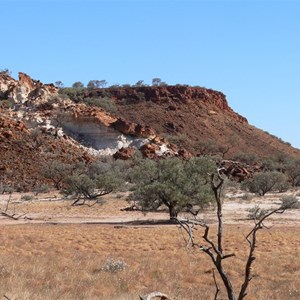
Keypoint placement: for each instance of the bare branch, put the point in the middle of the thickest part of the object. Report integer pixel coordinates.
(7, 203)
(13, 215)
(216, 285)
(215, 249)
(155, 295)
(251, 239)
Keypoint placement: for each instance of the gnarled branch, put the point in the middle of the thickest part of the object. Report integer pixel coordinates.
(155, 295)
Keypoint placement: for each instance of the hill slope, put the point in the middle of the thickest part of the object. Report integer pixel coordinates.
(195, 116)
(37, 122)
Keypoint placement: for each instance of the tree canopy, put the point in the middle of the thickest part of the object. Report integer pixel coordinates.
(177, 184)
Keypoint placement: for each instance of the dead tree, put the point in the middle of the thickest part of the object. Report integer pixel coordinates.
(214, 249)
(155, 295)
(11, 215)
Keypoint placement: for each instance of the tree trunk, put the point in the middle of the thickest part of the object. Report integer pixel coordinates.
(173, 212)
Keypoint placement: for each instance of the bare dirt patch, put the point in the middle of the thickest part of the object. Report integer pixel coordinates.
(54, 208)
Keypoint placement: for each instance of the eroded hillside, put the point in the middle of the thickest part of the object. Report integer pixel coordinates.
(195, 116)
(38, 121)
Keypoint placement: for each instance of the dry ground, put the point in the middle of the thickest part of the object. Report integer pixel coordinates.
(57, 255)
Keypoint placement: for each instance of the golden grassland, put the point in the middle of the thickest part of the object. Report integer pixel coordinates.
(64, 261)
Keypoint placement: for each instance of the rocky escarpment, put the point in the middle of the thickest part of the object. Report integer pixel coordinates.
(25, 90)
(172, 95)
(23, 152)
(95, 130)
(196, 118)
(160, 121)
(105, 134)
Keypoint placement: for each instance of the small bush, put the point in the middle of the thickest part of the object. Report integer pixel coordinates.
(6, 189)
(75, 94)
(247, 196)
(181, 140)
(44, 188)
(27, 197)
(106, 103)
(256, 213)
(111, 265)
(6, 103)
(247, 158)
(290, 202)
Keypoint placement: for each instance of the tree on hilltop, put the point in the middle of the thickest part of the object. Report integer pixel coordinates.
(158, 82)
(59, 84)
(77, 85)
(97, 84)
(139, 83)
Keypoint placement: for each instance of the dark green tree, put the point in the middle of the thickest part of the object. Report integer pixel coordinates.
(293, 171)
(139, 83)
(97, 84)
(77, 85)
(178, 185)
(158, 82)
(59, 84)
(98, 179)
(56, 171)
(264, 182)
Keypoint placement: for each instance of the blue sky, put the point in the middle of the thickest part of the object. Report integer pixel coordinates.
(249, 50)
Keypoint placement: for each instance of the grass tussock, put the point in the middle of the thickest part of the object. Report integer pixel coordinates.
(70, 262)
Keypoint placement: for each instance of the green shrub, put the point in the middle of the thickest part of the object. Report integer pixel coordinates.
(293, 171)
(6, 103)
(27, 197)
(75, 94)
(247, 158)
(290, 202)
(4, 188)
(113, 266)
(247, 196)
(106, 103)
(256, 213)
(42, 189)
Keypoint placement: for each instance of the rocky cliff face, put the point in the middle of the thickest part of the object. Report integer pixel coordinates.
(175, 96)
(159, 121)
(195, 116)
(25, 89)
(89, 128)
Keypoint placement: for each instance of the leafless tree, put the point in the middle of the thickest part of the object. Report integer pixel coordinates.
(214, 249)
(11, 214)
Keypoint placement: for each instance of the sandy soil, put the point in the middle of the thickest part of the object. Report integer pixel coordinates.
(40, 260)
(54, 208)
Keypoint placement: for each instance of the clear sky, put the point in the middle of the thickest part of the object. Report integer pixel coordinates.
(249, 50)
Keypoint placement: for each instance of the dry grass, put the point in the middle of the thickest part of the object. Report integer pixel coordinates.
(39, 261)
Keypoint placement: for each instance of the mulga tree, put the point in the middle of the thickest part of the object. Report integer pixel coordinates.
(98, 179)
(179, 185)
(93, 84)
(77, 85)
(56, 171)
(292, 169)
(264, 182)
